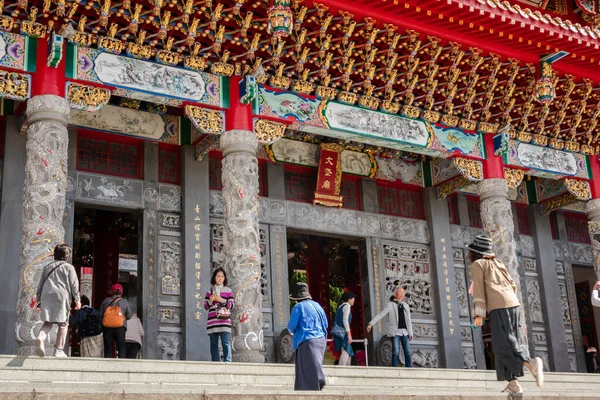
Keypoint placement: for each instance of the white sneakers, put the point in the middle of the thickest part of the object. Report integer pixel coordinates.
(513, 387)
(59, 353)
(40, 348)
(537, 370)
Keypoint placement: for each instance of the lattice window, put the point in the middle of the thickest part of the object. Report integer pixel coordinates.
(109, 154)
(474, 213)
(169, 164)
(214, 174)
(453, 210)
(350, 189)
(408, 266)
(577, 228)
(554, 226)
(523, 221)
(401, 202)
(300, 186)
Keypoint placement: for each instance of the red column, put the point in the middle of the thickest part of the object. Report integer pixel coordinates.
(48, 80)
(239, 116)
(493, 167)
(595, 178)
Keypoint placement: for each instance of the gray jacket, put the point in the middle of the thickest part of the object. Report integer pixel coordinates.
(123, 303)
(56, 289)
(391, 309)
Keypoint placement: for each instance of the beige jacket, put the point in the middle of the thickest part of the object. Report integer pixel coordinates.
(493, 288)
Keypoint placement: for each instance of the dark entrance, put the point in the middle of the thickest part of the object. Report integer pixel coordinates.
(330, 266)
(106, 250)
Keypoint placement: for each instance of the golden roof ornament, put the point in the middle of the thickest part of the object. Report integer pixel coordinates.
(246, 23)
(281, 19)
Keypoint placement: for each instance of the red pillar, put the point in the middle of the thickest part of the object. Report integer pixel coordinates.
(48, 80)
(493, 167)
(595, 178)
(239, 116)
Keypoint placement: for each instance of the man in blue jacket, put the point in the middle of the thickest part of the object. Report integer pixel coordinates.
(308, 325)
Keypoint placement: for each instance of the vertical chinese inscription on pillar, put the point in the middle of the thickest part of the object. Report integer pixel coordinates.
(150, 262)
(279, 268)
(376, 278)
(329, 178)
(197, 265)
(446, 285)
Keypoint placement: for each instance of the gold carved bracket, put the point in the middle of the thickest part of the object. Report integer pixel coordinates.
(87, 98)
(513, 177)
(206, 120)
(578, 188)
(470, 171)
(268, 132)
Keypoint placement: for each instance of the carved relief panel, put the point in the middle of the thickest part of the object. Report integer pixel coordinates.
(170, 267)
(535, 304)
(409, 266)
(461, 292)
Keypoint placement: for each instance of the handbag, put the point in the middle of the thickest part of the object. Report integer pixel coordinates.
(223, 312)
(338, 332)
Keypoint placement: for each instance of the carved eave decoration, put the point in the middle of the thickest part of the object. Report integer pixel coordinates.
(576, 190)
(470, 172)
(14, 86)
(87, 98)
(514, 177)
(206, 120)
(267, 132)
(206, 144)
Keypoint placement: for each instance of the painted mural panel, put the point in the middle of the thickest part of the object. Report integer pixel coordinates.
(12, 50)
(147, 77)
(453, 139)
(288, 105)
(546, 162)
(548, 188)
(126, 121)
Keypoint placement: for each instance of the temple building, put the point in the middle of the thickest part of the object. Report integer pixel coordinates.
(355, 145)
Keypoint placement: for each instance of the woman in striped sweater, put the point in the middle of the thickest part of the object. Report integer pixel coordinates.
(219, 296)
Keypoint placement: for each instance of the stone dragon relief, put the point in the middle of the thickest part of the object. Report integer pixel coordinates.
(241, 246)
(43, 206)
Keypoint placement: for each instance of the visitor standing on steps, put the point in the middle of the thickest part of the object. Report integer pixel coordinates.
(343, 317)
(89, 330)
(133, 336)
(58, 286)
(495, 294)
(219, 302)
(115, 312)
(308, 325)
(399, 327)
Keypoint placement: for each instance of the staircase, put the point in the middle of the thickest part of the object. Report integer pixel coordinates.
(79, 378)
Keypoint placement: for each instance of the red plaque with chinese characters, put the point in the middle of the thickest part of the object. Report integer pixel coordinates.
(329, 178)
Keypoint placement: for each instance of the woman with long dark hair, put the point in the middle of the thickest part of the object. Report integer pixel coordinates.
(219, 302)
(495, 294)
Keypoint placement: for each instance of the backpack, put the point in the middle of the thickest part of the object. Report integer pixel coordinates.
(113, 317)
(91, 324)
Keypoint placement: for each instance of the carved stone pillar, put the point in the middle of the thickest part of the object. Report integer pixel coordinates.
(593, 211)
(241, 242)
(497, 217)
(43, 205)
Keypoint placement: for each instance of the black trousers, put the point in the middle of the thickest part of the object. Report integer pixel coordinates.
(133, 349)
(114, 335)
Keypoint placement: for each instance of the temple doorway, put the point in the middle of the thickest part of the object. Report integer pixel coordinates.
(330, 266)
(106, 250)
(589, 316)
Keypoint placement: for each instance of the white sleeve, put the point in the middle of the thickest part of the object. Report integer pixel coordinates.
(595, 298)
(346, 318)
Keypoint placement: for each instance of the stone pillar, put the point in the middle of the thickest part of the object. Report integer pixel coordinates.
(496, 214)
(593, 211)
(550, 294)
(43, 205)
(445, 278)
(241, 241)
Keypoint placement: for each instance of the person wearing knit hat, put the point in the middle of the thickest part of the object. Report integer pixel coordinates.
(308, 326)
(343, 343)
(115, 335)
(495, 295)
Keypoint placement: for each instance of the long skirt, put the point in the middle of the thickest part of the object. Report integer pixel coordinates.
(92, 346)
(309, 364)
(509, 350)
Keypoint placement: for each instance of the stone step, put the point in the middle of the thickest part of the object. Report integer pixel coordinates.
(20, 376)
